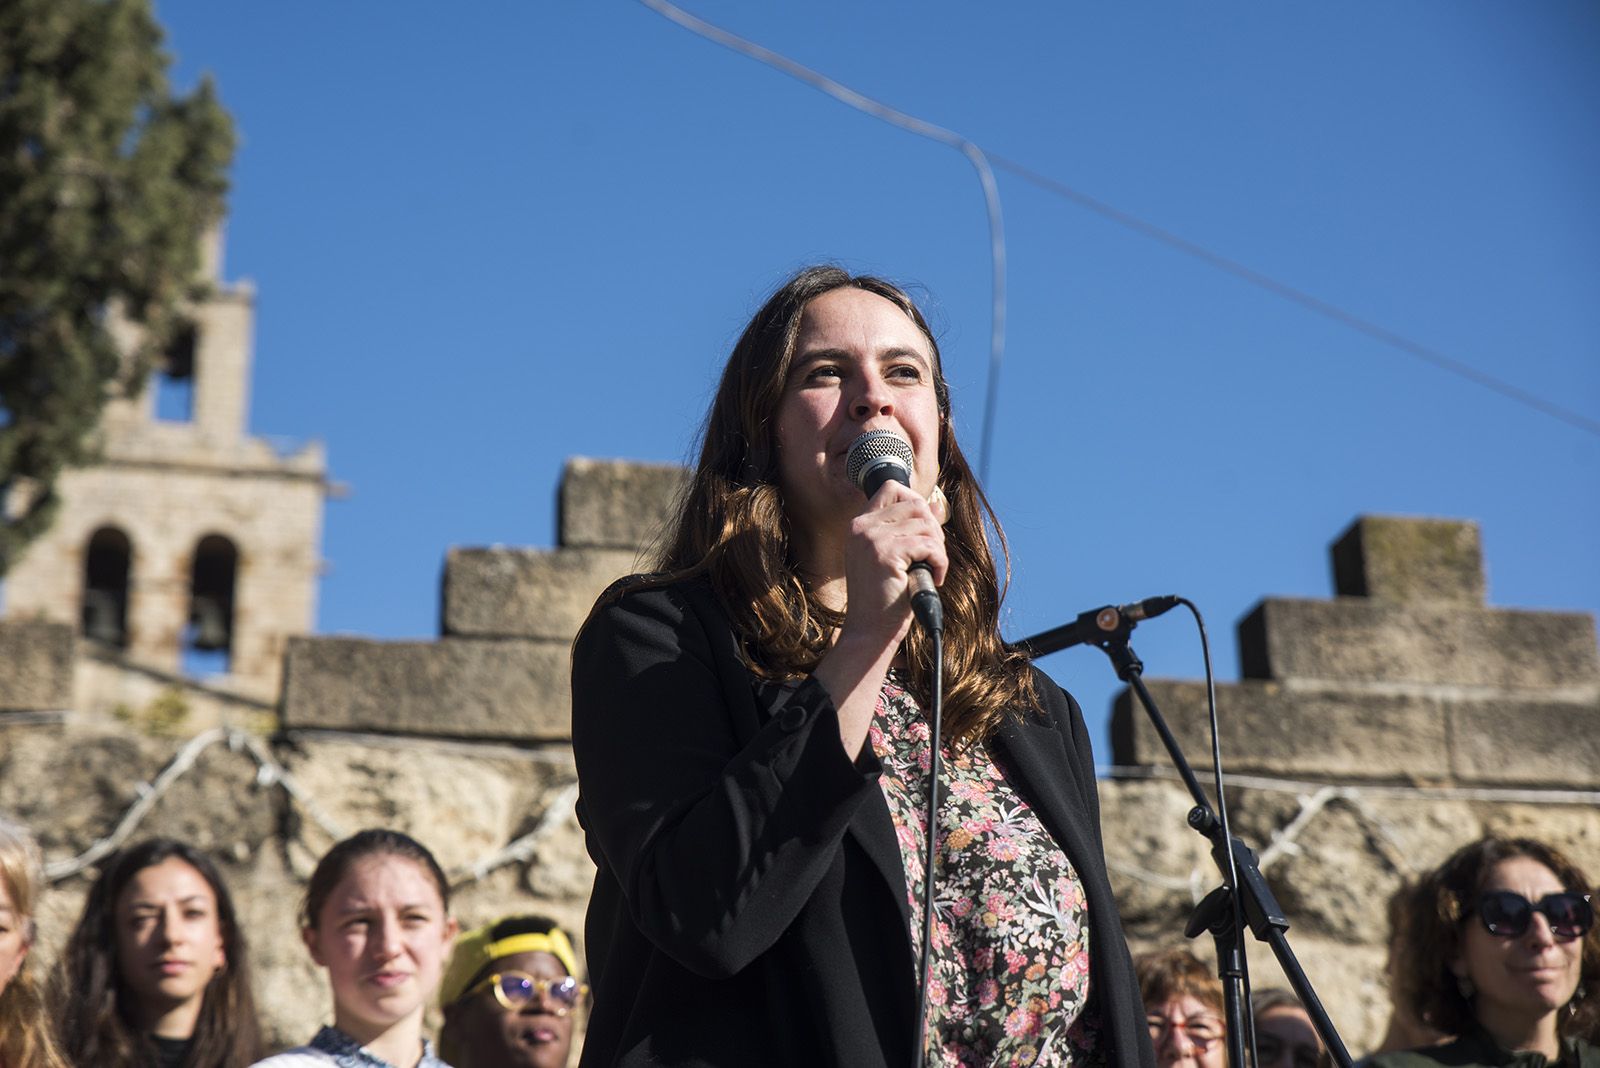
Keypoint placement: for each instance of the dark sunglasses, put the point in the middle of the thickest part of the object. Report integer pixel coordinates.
(513, 990)
(1270, 1049)
(1508, 914)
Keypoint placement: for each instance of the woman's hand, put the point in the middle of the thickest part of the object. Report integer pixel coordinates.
(895, 530)
(898, 528)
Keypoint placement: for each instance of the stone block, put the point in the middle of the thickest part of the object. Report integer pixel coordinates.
(1408, 560)
(1268, 728)
(1363, 641)
(615, 505)
(1549, 744)
(35, 666)
(458, 687)
(526, 593)
(464, 801)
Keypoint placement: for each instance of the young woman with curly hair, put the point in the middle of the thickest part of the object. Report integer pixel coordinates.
(1498, 947)
(752, 745)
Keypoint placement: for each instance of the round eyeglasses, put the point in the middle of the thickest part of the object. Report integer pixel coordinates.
(516, 990)
(1201, 1031)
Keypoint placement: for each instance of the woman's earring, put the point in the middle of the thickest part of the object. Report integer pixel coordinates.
(1465, 986)
(940, 505)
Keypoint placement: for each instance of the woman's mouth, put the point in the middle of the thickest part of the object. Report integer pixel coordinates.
(173, 967)
(387, 980)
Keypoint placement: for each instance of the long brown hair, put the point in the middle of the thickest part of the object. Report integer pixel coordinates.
(732, 528)
(98, 1018)
(1440, 905)
(26, 1040)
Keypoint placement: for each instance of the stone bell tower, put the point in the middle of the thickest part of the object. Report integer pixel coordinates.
(190, 549)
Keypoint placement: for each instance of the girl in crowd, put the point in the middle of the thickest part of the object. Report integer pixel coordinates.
(508, 995)
(750, 727)
(1498, 947)
(157, 975)
(1183, 1007)
(25, 1037)
(1285, 1036)
(377, 917)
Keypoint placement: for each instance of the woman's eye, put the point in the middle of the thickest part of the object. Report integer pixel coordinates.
(825, 371)
(907, 370)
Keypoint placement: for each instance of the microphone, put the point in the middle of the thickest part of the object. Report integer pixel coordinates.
(880, 456)
(1095, 626)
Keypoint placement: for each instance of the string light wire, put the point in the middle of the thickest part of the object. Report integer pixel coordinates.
(975, 155)
(981, 160)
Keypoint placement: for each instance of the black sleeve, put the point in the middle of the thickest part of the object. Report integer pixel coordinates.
(716, 821)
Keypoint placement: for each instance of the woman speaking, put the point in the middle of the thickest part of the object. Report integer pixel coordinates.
(753, 751)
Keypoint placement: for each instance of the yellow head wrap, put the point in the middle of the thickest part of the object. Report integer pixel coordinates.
(475, 951)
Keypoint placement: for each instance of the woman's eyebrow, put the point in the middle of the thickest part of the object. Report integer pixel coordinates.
(894, 352)
(148, 903)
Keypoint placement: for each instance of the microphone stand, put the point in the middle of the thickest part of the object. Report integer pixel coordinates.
(1216, 912)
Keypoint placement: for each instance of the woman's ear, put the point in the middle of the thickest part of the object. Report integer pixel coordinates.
(17, 965)
(308, 935)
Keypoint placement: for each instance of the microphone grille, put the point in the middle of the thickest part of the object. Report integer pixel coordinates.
(872, 446)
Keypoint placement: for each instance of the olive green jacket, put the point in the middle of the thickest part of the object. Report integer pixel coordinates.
(1477, 1050)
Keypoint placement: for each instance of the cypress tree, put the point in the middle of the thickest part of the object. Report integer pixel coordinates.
(107, 183)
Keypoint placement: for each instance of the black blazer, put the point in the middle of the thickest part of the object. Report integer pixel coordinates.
(750, 905)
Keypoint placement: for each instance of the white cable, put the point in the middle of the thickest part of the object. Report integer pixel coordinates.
(878, 110)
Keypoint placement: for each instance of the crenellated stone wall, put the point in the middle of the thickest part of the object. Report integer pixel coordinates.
(1369, 735)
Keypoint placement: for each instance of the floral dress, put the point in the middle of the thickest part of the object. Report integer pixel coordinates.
(1011, 928)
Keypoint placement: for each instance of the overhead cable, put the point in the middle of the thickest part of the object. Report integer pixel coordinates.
(981, 161)
(991, 192)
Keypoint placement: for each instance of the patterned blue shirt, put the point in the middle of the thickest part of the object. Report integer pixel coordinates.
(333, 1046)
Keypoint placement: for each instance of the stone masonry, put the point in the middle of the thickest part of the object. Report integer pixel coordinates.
(165, 484)
(1369, 735)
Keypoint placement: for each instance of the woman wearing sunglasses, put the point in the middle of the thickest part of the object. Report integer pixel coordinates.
(1499, 948)
(508, 995)
(1285, 1037)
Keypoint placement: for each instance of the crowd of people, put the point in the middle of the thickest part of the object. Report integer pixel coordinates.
(1495, 961)
(753, 736)
(157, 973)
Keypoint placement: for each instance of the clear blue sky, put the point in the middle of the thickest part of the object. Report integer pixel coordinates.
(491, 236)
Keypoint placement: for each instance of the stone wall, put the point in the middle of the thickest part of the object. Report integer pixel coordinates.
(461, 742)
(165, 485)
(1369, 735)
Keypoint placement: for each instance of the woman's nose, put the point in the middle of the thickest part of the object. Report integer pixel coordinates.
(874, 398)
(388, 942)
(1177, 1040)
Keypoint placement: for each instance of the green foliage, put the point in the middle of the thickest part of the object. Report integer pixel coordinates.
(165, 717)
(107, 183)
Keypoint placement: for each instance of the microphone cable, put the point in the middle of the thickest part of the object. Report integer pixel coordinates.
(925, 969)
(1236, 900)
